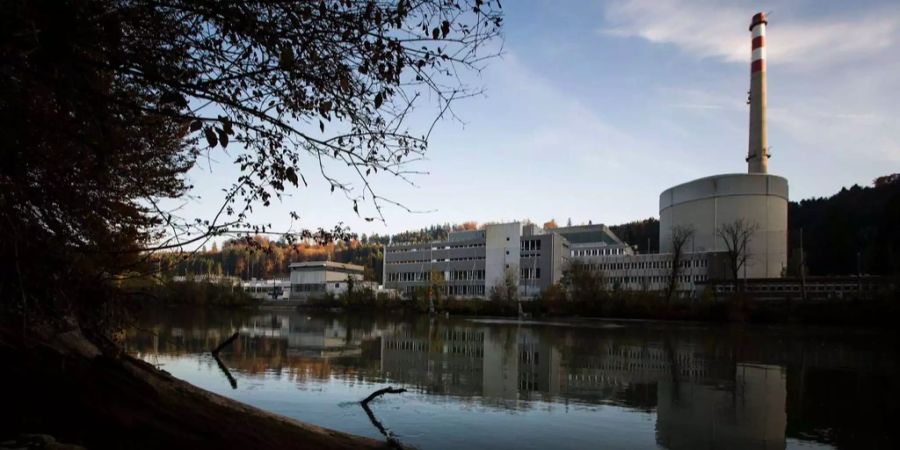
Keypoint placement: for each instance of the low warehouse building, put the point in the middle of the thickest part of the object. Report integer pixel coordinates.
(317, 278)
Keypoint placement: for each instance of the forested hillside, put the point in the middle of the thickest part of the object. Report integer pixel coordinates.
(262, 258)
(859, 222)
(640, 233)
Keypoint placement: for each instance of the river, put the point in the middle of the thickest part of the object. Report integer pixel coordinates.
(560, 384)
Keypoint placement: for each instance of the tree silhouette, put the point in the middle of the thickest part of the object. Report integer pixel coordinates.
(681, 234)
(736, 237)
(106, 105)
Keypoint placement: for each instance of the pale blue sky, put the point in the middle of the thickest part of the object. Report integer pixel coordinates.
(597, 106)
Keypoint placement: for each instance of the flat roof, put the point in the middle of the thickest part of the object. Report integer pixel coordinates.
(326, 265)
(588, 234)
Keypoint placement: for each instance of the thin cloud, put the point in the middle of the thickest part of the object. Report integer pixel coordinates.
(710, 30)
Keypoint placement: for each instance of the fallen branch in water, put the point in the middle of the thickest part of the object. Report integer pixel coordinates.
(391, 438)
(215, 354)
(225, 343)
(380, 392)
(225, 370)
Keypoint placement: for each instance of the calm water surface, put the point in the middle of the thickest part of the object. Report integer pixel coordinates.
(506, 384)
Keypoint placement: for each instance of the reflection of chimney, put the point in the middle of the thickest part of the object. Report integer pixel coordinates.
(757, 155)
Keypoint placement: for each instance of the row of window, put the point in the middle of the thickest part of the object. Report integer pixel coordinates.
(598, 252)
(423, 261)
(475, 289)
(264, 289)
(462, 275)
(657, 279)
(434, 248)
(318, 287)
(531, 245)
(454, 275)
(531, 273)
(685, 264)
(798, 288)
(409, 276)
(466, 290)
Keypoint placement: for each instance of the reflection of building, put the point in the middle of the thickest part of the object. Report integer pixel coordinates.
(695, 380)
(703, 400)
(748, 415)
(448, 362)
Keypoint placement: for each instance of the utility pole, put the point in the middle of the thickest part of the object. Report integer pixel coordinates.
(802, 269)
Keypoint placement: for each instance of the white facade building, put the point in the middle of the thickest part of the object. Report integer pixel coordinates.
(313, 278)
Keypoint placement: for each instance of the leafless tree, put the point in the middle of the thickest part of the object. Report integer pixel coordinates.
(506, 288)
(681, 234)
(736, 236)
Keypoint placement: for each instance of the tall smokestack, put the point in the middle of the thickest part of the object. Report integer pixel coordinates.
(758, 153)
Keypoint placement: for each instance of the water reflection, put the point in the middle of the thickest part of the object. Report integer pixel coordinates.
(707, 387)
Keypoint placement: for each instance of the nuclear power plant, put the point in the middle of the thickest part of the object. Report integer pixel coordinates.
(471, 263)
(757, 199)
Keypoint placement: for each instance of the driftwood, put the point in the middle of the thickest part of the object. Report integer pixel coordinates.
(380, 392)
(215, 354)
(391, 438)
(225, 343)
(225, 370)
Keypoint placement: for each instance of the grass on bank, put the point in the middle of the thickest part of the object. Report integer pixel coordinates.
(556, 302)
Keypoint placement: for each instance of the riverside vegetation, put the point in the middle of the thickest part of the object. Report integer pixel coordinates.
(587, 297)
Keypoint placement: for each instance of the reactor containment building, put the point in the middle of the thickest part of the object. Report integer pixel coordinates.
(756, 198)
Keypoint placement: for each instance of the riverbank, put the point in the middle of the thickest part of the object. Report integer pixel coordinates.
(197, 293)
(65, 385)
(882, 312)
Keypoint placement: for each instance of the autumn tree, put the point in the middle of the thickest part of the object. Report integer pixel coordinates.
(736, 237)
(550, 225)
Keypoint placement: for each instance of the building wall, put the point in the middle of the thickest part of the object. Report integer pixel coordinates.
(541, 263)
(651, 271)
(707, 203)
(309, 279)
(470, 263)
(501, 252)
(458, 262)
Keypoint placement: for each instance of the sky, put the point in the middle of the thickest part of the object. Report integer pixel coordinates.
(595, 107)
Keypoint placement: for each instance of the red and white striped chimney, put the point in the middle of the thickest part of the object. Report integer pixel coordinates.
(758, 152)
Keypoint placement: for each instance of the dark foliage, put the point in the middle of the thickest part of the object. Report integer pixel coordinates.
(105, 105)
(638, 233)
(859, 224)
